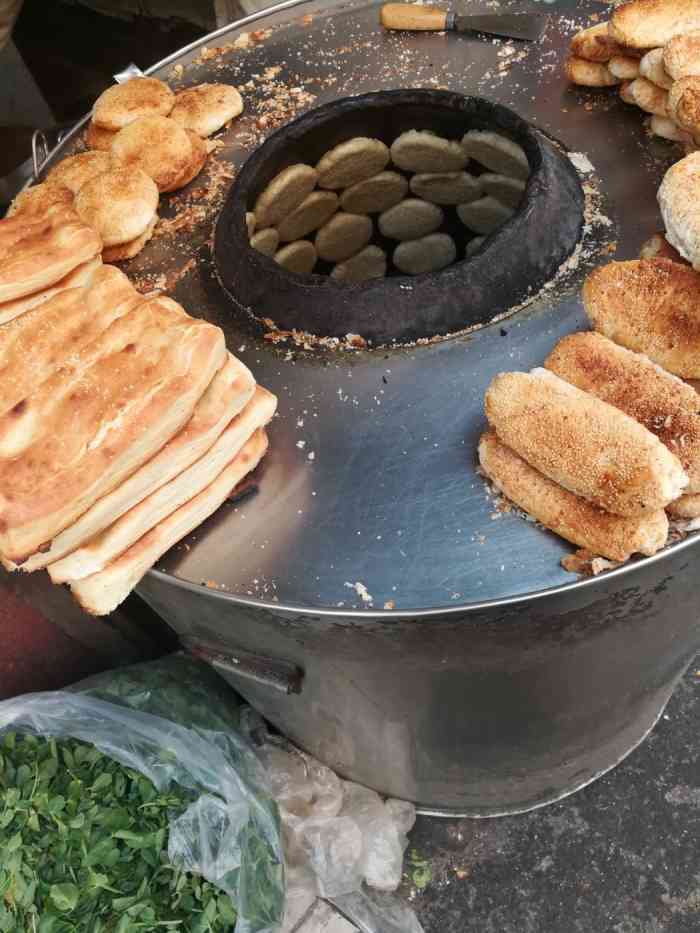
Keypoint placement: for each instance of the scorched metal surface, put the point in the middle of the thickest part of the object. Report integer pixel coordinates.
(496, 681)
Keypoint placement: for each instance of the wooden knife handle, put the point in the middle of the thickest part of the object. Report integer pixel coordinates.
(412, 17)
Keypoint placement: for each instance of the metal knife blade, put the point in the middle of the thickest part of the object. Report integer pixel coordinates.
(526, 26)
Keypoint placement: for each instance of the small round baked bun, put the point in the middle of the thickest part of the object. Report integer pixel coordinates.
(446, 187)
(496, 153)
(508, 191)
(369, 263)
(343, 236)
(97, 137)
(299, 256)
(122, 104)
(125, 251)
(119, 204)
(473, 246)
(284, 193)
(76, 170)
(682, 55)
(624, 67)
(352, 161)
(652, 68)
(684, 103)
(158, 146)
(485, 215)
(312, 213)
(41, 199)
(374, 195)
(428, 254)
(422, 151)
(200, 154)
(410, 219)
(266, 241)
(205, 108)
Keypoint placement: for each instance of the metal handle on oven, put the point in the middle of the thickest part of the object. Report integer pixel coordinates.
(283, 676)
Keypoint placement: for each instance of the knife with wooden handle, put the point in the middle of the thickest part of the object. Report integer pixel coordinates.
(417, 18)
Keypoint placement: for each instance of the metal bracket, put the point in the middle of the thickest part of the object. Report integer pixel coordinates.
(283, 676)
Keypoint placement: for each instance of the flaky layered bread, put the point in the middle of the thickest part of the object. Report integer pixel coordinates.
(132, 248)
(589, 74)
(82, 275)
(158, 146)
(122, 104)
(119, 204)
(684, 103)
(102, 592)
(35, 345)
(667, 128)
(651, 67)
(682, 55)
(94, 423)
(204, 109)
(106, 547)
(650, 306)
(227, 394)
(687, 507)
(663, 403)
(567, 515)
(649, 97)
(97, 137)
(41, 199)
(74, 171)
(595, 44)
(679, 201)
(625, 93)
(658, 247)
(624, 67)
(585, 445)
(38, 252)
(648, 24)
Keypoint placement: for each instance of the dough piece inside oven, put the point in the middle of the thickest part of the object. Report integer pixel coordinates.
(351, 162)
(428, 254)
(423, 151)
(375, 194)
(496, 153)
(410, 219)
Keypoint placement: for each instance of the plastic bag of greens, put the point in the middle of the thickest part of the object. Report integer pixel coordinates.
(161, 821)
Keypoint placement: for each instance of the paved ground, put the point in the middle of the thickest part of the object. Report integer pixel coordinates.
(622, 856)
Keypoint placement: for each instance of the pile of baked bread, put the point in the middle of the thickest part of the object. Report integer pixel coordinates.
(124, 422)
(420, 188)
(651, 50)
(603, 443)
(144, 140)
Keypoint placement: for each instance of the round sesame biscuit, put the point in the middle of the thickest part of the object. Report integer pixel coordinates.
(122, 104)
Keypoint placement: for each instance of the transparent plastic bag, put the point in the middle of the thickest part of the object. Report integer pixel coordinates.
(156, 722)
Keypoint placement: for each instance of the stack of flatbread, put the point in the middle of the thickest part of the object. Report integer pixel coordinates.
(124, 422)
(651, 50)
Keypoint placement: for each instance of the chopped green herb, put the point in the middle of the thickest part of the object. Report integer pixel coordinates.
(84, 847)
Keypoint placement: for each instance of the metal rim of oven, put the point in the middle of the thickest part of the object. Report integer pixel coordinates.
(369, 615)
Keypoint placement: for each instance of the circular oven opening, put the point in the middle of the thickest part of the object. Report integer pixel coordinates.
(489, 275)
